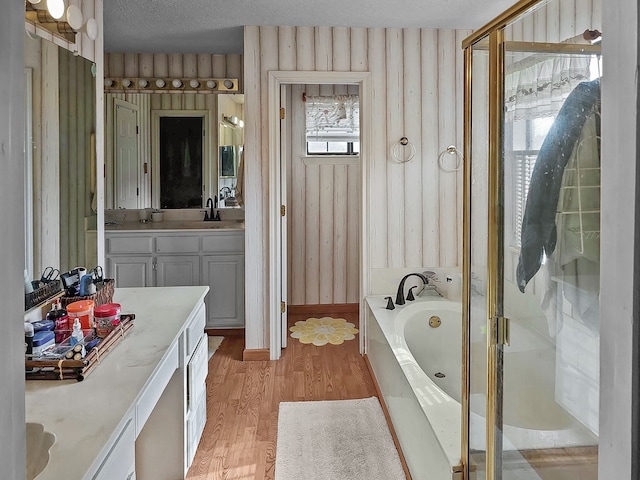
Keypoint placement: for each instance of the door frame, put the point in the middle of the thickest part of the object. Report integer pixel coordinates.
(276, 262)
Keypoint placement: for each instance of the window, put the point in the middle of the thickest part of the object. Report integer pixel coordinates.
(332, 125)
(527, 137)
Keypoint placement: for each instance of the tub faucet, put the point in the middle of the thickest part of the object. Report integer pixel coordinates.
(400, 294)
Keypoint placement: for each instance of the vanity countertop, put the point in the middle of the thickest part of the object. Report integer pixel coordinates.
(175, 226)
(85, 416)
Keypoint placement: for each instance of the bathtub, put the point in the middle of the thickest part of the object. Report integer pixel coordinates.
(418, 370)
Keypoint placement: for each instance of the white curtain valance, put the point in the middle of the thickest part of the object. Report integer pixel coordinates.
(332, 116)
(537, 86)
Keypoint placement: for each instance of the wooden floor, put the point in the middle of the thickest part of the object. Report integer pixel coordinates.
(239, 439)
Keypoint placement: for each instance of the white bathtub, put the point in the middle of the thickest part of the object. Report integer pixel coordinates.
(406, 353)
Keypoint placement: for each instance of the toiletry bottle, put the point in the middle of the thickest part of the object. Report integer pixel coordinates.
(60, 317)
(28, 338)
(77, 335)
(77, 339)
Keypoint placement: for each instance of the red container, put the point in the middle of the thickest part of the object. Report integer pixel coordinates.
(106, 317)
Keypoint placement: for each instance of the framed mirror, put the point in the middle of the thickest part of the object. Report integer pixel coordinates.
(61, 214)
(165, 150)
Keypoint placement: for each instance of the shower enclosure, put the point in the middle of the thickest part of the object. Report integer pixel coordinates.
(532, 249)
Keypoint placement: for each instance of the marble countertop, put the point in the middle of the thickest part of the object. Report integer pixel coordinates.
(176, 225)
(85, 416)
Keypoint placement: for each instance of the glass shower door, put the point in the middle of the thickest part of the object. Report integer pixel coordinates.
(548, 268)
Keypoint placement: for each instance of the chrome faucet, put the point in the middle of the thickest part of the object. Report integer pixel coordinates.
(400, 300)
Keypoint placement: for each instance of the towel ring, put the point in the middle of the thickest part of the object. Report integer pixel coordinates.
(451, 150)
(404, 141)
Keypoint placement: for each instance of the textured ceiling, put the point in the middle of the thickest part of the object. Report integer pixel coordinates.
(215, 26)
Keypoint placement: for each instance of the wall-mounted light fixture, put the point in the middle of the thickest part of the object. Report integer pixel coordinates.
(58, 19)
(195, 85)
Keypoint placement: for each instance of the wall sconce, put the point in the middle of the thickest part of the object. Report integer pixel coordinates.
(176, 83)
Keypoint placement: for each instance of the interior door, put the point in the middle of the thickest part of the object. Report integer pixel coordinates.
(126, 166)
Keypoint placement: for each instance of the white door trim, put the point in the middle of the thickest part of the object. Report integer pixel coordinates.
(276, 79)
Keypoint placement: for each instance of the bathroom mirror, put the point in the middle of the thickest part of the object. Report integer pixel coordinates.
(60, 217)
(147, 169)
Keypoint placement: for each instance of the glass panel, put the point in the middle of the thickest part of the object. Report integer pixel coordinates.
(551, 192)
(478, 264)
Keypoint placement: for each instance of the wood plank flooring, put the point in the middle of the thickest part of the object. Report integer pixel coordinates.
(239, 439)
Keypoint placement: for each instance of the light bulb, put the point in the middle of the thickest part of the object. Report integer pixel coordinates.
(108, 82)
(212, 84)
(176, 83)
(126, 83)
(74, 17)
(143, 83)
(228, 83)
(160, 83)
(194, 83)
(55, 8)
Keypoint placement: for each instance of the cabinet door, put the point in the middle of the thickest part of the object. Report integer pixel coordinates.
(225, 301)
(131, 271)
(177, 271)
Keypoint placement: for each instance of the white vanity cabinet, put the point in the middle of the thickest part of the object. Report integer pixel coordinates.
(149, 258)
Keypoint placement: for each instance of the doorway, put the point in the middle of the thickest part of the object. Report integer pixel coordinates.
(280, 85)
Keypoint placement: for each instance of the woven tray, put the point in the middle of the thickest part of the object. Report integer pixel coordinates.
(64, 369)
(104, 294)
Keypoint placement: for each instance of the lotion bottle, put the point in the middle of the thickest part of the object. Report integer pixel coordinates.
(76, 336)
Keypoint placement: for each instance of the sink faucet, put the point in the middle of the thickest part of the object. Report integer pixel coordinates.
(211, 216)
(400, 294)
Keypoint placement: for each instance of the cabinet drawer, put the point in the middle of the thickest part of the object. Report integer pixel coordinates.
(133, 244)
(119, 464)
(155, 386)
(197, 372)
(195, 426)
(194, 330)
(223, 243)
(178, 244)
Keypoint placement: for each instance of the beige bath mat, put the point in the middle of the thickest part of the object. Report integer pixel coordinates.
(335, 440)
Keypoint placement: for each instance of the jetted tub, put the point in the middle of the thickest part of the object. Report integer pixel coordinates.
(418, 369)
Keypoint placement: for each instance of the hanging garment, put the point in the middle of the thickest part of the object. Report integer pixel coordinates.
(539, 233)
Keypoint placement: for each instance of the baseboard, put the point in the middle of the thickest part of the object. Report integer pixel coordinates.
(324, 308)
(225, 332)
(256, 355)
(388, 417)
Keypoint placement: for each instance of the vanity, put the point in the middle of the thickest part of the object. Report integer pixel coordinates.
(183, 253)
(141, 412)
